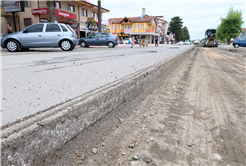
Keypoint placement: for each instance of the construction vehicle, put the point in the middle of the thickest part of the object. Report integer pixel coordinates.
(210, 38)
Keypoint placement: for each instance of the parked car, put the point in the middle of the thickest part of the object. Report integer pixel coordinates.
(126, 41)
(41, 35)
(181, 43)
(239, 42)
(99, 39)
(187, 43)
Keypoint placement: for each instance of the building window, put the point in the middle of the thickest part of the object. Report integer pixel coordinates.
(129, 26)
(148, 26)
(92, 15)
(113, 27)
(136, 26)
(84, 13)
(71, 8)
(27, 21)
(27, 3)
(58, 5)
(124, 27)
(142, 27)
(95, 15)
(118, 26)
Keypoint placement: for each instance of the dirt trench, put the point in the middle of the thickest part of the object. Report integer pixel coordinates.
(197, 117)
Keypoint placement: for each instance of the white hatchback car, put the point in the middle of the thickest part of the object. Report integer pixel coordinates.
(181, 43)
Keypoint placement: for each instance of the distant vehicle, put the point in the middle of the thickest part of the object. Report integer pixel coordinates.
(41, 35)
(99, 39)
(210, 39)
(181, 43)
(196, 42)
(126, 41)
(187, 43)
(239, 42)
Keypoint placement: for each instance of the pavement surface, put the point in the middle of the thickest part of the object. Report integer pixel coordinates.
(197, 117)
(38, 79)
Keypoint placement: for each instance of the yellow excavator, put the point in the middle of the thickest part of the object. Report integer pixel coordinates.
(210, 39)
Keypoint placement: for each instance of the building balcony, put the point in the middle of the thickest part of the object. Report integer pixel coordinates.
(90, 19)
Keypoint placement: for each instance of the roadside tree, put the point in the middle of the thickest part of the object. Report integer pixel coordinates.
(230, 27)
(186, 33)
(51, 6)
(175, 26)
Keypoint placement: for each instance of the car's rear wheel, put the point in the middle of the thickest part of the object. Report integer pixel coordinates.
(66, 45)
(236, 46)
(110, 44)
(12, 46)
(83, 44)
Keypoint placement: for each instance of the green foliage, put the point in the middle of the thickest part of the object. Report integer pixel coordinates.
(175, 26)
(182, 37)
(186, 34)
(230, 27)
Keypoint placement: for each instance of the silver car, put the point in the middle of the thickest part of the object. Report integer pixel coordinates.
(41, 35)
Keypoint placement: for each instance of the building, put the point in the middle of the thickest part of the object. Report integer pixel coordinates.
(141, 26)
(162, 29)
(244, 32)
(76, 13)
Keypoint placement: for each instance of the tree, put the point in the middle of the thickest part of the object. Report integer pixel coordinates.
(230, 27)
(186, 33)
(175, 26)
(182, 38)
(51, 6)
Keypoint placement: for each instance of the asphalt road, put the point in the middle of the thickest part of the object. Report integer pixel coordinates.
(197, 117)
(38, 79)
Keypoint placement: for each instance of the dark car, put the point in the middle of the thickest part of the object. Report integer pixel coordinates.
(99, 39)
(41, 35)
(240, 41)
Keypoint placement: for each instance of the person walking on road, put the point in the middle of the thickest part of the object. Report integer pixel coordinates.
(156, 41)
(9, 29)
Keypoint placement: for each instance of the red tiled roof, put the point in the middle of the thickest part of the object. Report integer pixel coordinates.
(133, 19)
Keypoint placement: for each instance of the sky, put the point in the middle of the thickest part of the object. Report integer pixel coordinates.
(197, 15)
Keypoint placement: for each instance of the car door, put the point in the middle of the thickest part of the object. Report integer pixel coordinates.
(32, 36)
(242, 41)
(104, 39)
(94, 39)
(52, 35)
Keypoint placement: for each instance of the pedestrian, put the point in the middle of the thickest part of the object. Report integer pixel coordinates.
(156, 41)
(9, 29)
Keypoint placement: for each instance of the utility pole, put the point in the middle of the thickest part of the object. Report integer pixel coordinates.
(52, 14)
(99, 16)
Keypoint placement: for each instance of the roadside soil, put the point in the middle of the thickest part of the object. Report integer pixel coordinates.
(197, 117)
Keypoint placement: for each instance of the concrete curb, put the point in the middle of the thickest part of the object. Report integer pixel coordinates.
(25, 141)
